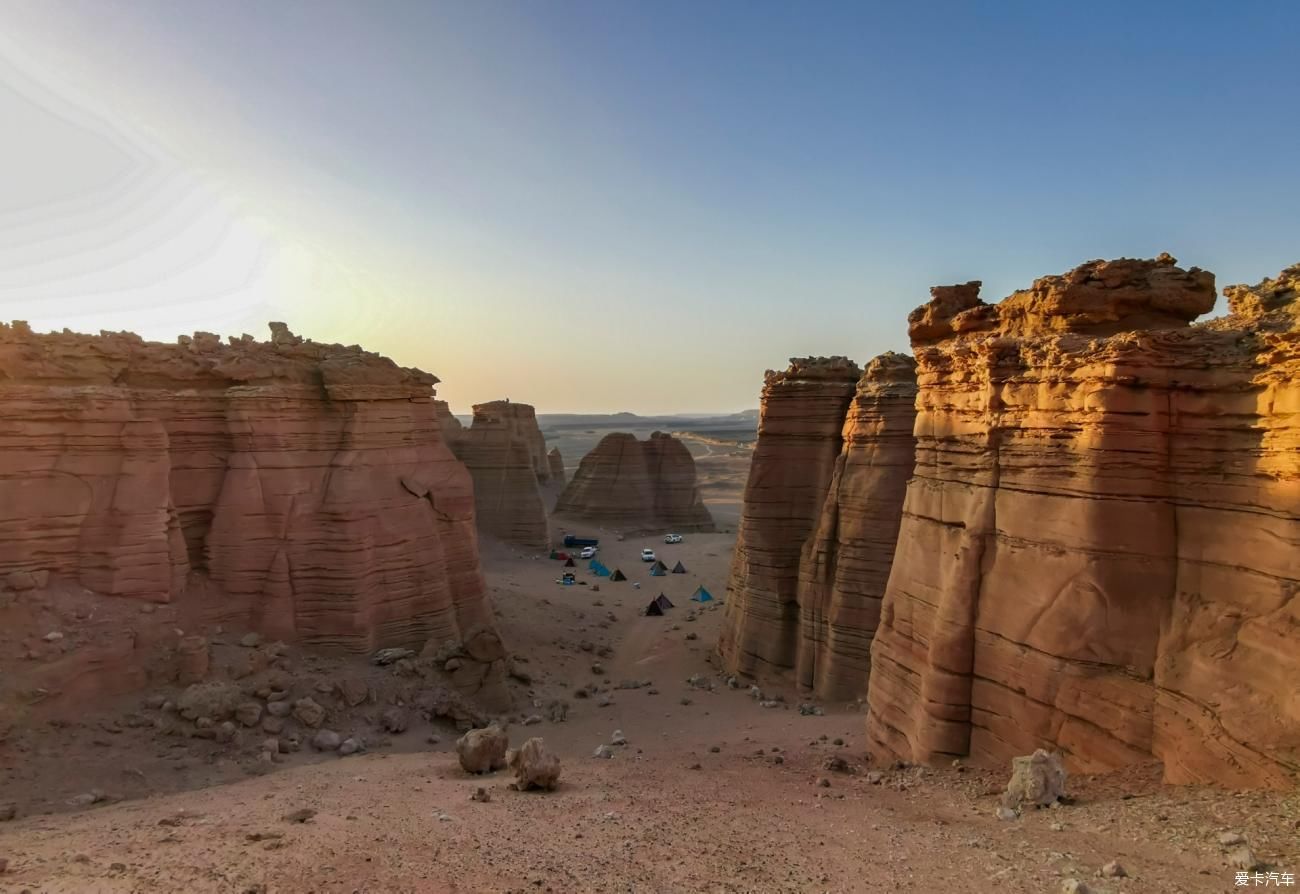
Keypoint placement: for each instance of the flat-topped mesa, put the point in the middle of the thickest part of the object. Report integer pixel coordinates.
(505, 453)
(1101, 537)
(801, 421)
(637, 485)
(845, 562)
(307, 483)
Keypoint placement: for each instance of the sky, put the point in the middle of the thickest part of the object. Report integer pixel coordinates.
(603, 206)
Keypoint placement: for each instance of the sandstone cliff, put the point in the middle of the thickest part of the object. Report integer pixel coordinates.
(556, 462)
(801, 421)
(506, 454)
(520, 420)
(298, 489)
(637, 485)
(1100, 545)
(448, 424)
(845, 563)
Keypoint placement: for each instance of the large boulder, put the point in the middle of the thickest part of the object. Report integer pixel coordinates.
(215, 700)
(534, 766)
(1037, 779)
(483, 750)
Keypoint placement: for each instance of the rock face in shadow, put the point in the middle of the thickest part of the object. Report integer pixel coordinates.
(555, 461)
(506, 455)
(451, 426)
(845, 563)
(637, 485)
(1100, 545)
(521, 421)
(800, 430)
(303, 488)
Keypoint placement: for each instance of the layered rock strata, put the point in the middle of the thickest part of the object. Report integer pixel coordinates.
(1100, 545)
(506, 455)
(520, 420)
(637, 485)
(302, 489)
(555, 461)
(800, 438)
(845, 563)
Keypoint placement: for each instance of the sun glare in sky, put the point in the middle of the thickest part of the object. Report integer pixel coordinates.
(597, 208)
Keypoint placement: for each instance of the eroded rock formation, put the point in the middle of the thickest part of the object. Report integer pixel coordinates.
(298, 489)
(520, 420)
(1100, 545)
(845, 563)
(556, 463)
(637, 485)
(800, 429)
(506, 454)
(447, 422)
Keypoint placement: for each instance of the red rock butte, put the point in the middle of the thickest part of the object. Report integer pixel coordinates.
(635, 485)
(298, 489)
(505, 453)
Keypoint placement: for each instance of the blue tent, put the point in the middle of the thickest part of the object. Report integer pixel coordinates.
(701, 595)
(656, 571)
(601, 570)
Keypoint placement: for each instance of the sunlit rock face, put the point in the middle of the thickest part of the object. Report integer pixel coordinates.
(304, 488)
(630, 484)
(1100, 544)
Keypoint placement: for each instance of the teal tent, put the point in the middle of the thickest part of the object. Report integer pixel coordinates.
(600, 570)
(656, 571)
(701, 595)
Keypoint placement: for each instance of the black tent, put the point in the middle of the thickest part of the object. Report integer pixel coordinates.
(653, 608)
(663, 601)
(618, 575)
(679, 568)
(569, 563)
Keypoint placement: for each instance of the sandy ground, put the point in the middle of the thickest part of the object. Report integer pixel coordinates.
(712, 792)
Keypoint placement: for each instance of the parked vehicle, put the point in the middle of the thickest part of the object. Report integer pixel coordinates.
(574, 540)
(647, 555)
(588, 552)
(673, 538)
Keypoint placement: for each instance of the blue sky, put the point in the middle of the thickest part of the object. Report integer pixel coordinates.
(608, 206)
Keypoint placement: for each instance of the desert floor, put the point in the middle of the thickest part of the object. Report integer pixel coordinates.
(711, 793)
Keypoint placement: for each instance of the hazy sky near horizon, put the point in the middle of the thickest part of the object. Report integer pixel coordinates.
(596, 206)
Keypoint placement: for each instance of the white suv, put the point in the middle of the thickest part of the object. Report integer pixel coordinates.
(673, 538)
(647, 555)
(588, 552)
